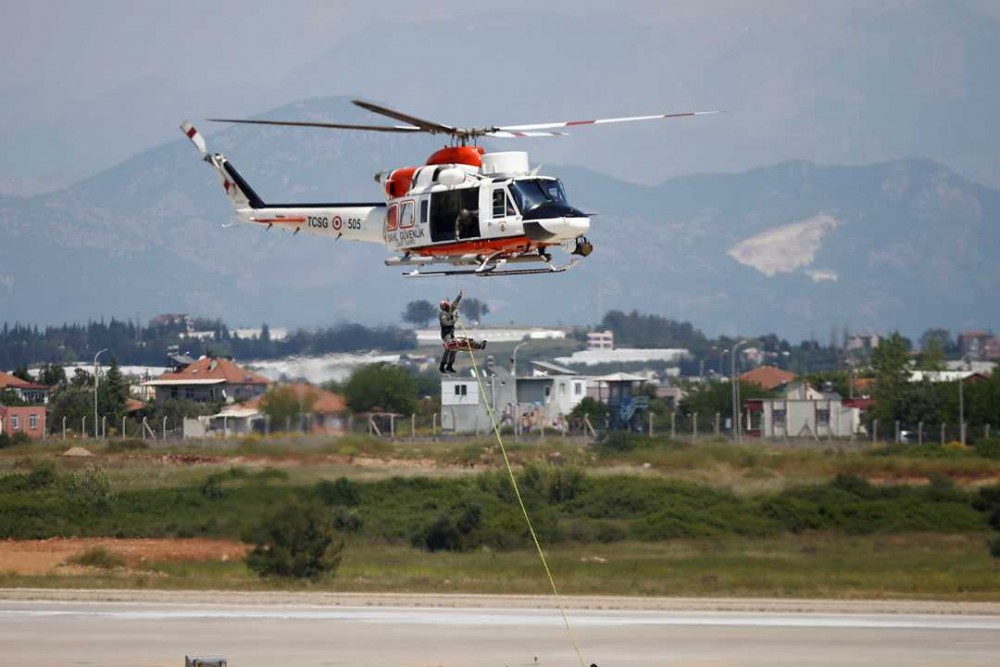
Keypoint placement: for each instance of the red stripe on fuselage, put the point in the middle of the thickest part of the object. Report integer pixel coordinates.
(192, 132)
(279, 221)
(475, 246)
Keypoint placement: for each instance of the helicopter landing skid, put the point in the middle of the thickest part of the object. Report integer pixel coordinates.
(494, 272)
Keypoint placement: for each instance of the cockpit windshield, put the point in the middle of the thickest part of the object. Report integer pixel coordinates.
(530, 193)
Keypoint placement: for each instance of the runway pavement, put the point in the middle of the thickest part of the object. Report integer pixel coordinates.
(108, 634)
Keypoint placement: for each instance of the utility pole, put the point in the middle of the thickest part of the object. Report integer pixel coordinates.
(97, 376)
(736, 390)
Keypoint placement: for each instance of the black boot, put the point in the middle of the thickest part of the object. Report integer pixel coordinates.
(450, 369)
(442, 368)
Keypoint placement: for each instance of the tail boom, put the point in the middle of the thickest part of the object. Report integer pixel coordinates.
(352, 221)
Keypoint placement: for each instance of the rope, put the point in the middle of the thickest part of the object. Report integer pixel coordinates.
(520, 500)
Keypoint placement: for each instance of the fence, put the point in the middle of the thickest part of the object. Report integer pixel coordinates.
(127, 428)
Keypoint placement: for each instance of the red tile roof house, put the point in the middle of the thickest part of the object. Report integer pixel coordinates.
(209, 380)
(326, 413)
(28, 419)
(30, 392)
(768, 378)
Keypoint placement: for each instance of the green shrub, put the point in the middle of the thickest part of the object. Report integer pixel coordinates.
(618, 442)
(988, 448)
(340, 491)
(298, 542)
(42, 475)
(452, 531)
(987, 498)
(440, 535)
(98, 557)
(995, 547)
(212, 488)
(20, 438)
(90, 488)
(347, 520)
(5, 440)
(271, 475)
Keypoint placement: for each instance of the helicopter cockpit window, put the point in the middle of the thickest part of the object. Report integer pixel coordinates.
(502, 204)
(536, 191)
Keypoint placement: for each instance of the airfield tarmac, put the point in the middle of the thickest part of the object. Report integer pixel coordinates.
(108, 629)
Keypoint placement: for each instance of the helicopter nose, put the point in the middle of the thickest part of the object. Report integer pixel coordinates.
(554, 221)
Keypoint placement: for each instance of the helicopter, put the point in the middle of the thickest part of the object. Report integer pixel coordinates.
(478, 213)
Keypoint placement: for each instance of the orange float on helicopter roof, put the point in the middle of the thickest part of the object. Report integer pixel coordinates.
(401, 180)
(470, 155)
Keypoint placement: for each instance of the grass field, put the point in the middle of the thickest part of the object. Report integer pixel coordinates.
(663, 518)
(745, 470)
(808, 566)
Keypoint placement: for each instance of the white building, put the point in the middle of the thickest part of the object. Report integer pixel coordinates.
(600, 340)
(529, 403)
(497, 335)
(803, 412)
(624, 356)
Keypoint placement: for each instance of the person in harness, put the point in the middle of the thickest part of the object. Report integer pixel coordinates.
(447, 318)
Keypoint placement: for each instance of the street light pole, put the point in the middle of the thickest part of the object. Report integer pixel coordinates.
(736, 390)
(961, 410)
(513, 358)
(97, 380)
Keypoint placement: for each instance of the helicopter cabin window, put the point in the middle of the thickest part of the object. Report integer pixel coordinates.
(392, 218)
(424, 203)
(406, 215)
(502, 204)
(455, 214)
(533, 192)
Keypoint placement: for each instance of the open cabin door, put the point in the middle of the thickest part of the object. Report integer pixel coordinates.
(455, 215)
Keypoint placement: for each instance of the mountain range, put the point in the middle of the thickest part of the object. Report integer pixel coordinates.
(795, 248)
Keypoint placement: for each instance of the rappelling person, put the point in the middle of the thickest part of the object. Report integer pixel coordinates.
(448, 317)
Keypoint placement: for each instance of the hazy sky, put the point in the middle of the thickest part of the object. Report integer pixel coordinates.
(87, 84)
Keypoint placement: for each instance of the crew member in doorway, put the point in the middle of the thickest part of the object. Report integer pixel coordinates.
(465, 225)
(448, 317)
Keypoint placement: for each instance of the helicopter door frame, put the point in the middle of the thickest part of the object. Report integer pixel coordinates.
(445, 207)
(501, 212)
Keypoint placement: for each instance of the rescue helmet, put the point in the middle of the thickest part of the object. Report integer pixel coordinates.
(445, 304)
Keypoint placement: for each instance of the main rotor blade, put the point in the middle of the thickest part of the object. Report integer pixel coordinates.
(336, 126)
(504, 134)
(600, 121)
(425, 125)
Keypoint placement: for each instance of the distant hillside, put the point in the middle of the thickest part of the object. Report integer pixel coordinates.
(793, 248)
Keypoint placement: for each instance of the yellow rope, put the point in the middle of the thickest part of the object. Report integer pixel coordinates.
(520, 501)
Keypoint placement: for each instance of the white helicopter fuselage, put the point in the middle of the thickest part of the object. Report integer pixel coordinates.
(450, 213)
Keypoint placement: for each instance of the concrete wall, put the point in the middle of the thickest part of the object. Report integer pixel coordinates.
(806, 418)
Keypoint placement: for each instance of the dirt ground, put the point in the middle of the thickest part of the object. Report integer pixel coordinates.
(32, 557)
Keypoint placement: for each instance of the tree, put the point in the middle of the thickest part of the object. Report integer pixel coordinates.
(81, 379)
(73, 404)
(21, 372)
(637, 330)
(113, 393)
(419, 313)
(298, 542)
(52, 375)
(939, 337)
(474, 309)
(931, 357)
(714, 398)
(384, 386)
(890, 361)
(285, 406)
(9, 398)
